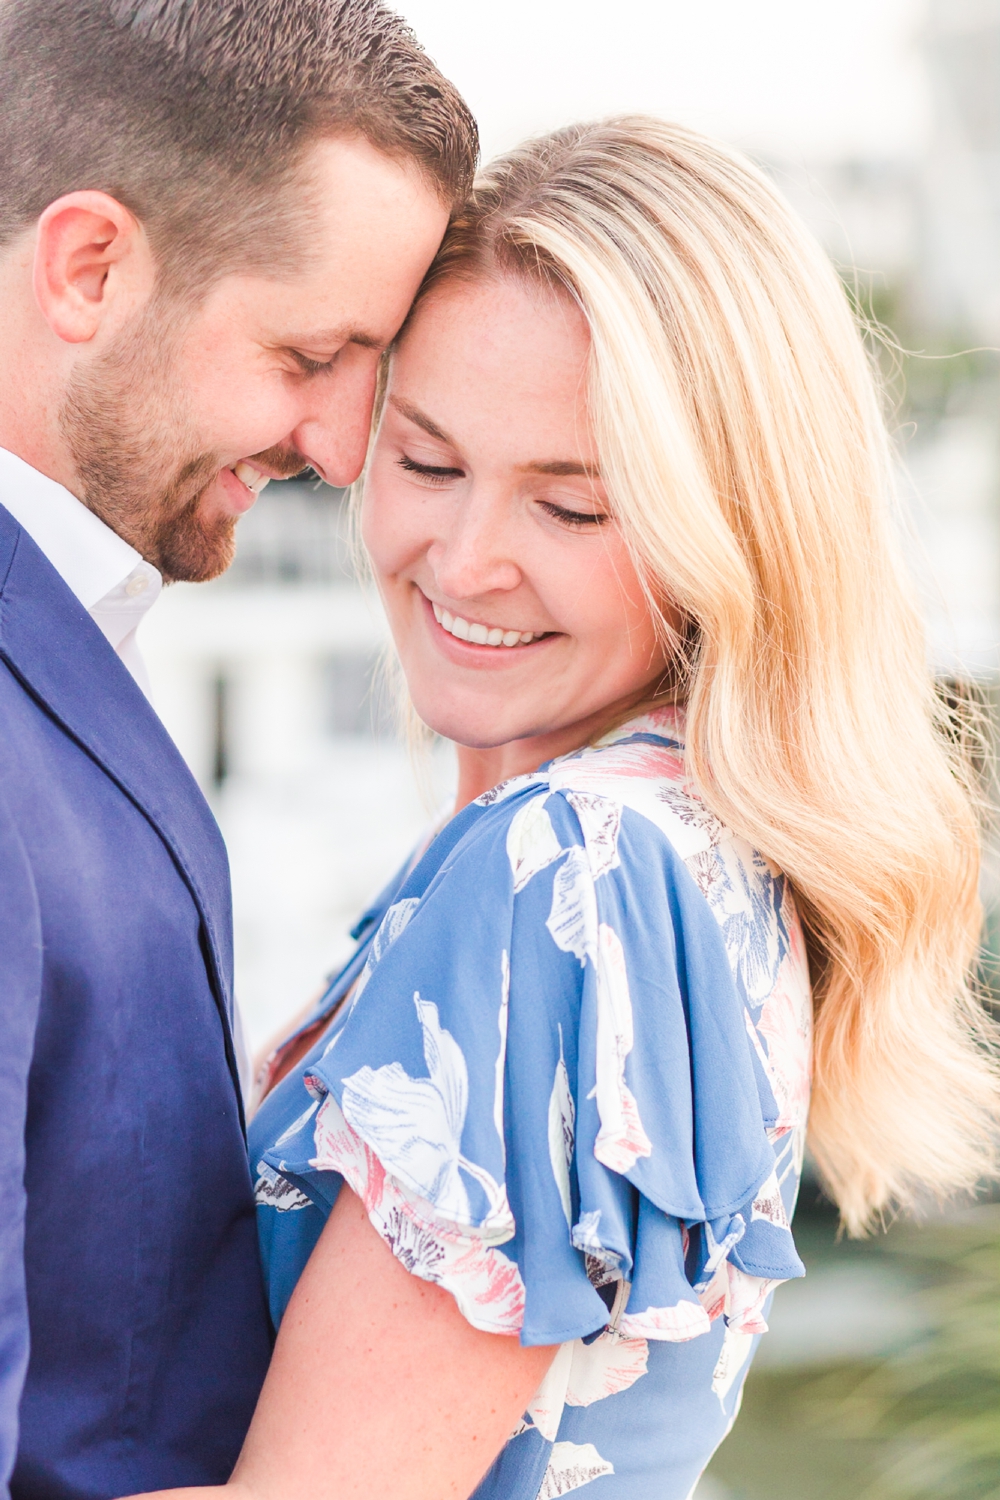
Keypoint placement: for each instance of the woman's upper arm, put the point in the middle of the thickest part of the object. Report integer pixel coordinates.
(378, 1385)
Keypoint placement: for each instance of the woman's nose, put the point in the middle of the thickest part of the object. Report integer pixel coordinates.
(476, 556)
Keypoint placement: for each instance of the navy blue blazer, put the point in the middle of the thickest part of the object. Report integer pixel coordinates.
(134, 1335)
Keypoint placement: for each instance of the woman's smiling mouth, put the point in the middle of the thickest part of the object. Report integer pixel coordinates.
(483, 635)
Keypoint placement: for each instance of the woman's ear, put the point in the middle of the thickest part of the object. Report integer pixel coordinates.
(91, 254)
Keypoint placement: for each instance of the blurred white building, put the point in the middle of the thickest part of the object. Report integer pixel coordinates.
(265, 680)
(922, 233)
(960, 174)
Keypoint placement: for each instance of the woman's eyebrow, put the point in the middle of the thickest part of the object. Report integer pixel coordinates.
(419, 419)
(557, 467)
(562, 469)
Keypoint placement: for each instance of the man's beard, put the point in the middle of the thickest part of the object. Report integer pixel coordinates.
(126, 420)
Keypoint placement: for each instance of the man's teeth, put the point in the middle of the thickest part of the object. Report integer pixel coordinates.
(251, 477)
(482, 635)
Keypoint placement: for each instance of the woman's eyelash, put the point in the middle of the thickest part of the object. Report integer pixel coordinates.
(441, 474)
(436, 474)
(574, 517)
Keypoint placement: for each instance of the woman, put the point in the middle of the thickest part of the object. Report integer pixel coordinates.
(526, 1179)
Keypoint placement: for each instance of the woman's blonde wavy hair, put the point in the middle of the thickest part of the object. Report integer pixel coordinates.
(740, 435)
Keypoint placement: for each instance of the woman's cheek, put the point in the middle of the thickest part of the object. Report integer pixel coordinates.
(378, 532)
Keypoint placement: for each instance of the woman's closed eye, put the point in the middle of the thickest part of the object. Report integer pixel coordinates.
(430, 473)
(577, 518)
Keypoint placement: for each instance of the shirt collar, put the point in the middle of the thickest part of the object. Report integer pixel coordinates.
(91, 559)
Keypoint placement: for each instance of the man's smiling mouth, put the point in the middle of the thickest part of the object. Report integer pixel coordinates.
(483, 635)
(252, 477)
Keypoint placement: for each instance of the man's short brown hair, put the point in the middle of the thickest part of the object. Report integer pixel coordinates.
(196, 115)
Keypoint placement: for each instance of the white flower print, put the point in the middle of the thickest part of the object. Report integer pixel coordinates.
(572, 920)
(545, 1408)
(603, 1265)
(735, 1351)
(275, 1191)
(586, 1236)
(785, 1023)
(747, 902)
(736, 1295)
(706, 869)
(392, 924)
(571, 1466)
(414, 1125)
(395, 921)
(510, 788)
(501, 1062)
(621, 1138)
(685, 804)
(717, 1250)
(532, 842)
(745, 1302)
(768, 1204)
(600, 821)
(562, 1121)
(583, 1373)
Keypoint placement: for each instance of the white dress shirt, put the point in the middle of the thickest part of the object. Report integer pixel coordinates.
(112, 582)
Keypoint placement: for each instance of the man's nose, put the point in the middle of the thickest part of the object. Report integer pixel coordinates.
(334, 433)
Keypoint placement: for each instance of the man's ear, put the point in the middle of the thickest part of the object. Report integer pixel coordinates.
(91, 254)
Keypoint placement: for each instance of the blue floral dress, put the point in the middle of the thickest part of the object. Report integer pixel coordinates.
(569, 1083)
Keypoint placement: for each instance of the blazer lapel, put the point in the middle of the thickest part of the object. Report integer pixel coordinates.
(53, 646)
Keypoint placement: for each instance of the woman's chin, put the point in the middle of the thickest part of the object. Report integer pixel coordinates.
(474, 728)
(468, 735)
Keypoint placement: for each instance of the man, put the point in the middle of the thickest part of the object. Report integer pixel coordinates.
(213, 217)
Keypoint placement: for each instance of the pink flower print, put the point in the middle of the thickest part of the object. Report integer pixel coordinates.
(610, 1364)
(677, 1324)
(714, 1293)
(489, 1282)
(485, 1283)
(745, 1303)
(639, 761)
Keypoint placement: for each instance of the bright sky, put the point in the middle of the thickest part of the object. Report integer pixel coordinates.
(791, 78)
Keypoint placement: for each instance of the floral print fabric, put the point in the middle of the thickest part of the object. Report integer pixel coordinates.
(570, 1084)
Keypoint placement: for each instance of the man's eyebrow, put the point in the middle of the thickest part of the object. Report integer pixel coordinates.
(562, 469)
(419, 419)
(335, 338)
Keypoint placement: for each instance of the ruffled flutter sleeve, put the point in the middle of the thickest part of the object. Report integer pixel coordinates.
(546, 1092)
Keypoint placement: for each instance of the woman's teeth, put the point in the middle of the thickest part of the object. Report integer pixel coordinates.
(482, 635)
(251, 477)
